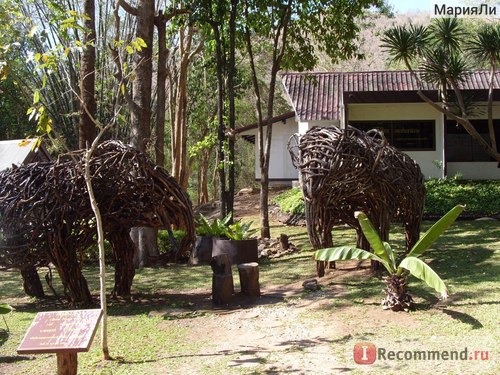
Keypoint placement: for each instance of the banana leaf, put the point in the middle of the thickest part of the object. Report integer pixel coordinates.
(376, 242)
(435, 231)
(332, 254)
(421, 270)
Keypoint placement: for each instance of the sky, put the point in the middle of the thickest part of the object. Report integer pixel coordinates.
(404, 6)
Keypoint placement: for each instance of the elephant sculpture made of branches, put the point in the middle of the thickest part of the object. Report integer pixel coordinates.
(347, 170)
(46, 215)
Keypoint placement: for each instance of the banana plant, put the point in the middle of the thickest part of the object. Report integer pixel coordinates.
(397, 297)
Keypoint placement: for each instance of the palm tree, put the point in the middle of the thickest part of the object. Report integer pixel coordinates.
(485, 46)
(437, 54)
(397, 297)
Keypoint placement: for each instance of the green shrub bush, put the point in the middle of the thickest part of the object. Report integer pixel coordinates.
(164, 244)
(290, 201)
(482, 198)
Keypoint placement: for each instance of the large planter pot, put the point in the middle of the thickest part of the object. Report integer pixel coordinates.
(239, 251)
(202, 252)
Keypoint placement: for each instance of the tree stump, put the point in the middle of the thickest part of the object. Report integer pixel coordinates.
(284, 243)
(222, 279)
(249, 279)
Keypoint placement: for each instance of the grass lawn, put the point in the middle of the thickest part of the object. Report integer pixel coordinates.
(195, 338)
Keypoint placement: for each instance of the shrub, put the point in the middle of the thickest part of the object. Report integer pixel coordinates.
(482, 198)
(290, 201)
(164, 244)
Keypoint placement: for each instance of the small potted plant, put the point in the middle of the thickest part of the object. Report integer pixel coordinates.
(237, 241)
(205, 231)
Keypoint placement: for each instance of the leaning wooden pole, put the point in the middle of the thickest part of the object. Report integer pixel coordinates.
(100, 243)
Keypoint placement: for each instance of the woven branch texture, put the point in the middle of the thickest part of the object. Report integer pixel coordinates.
(348, 170)
(45, 211)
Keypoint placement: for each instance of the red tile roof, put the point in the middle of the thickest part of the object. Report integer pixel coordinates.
(316, 96)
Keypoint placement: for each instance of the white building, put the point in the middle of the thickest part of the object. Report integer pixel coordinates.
(386, 100)
(21, 151)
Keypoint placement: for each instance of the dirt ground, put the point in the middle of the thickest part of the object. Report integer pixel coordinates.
(281, 332)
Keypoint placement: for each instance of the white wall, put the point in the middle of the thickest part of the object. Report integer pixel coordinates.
(280, 164)
(305, 126)
(475, 170)
(407, 111)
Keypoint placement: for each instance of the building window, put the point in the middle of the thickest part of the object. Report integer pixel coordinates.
(405, 135)
(460, 147)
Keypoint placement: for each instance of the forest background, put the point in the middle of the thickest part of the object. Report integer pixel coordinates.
(42, 50)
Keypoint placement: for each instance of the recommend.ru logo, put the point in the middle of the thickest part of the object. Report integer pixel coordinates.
(366, 353)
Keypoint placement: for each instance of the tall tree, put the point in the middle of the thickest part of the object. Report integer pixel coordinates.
(441, 57)
(140, 107)
(188, 47)
(296, 30)
(87, 131)
(220, 17)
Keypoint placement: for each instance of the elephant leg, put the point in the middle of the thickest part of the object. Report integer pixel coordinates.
(123, 250)
(412, 235)
(69, 270)
(31, 282)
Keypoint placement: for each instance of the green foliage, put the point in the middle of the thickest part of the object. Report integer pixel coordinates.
(164, 243)
(290, 201)
(240, 231)
(223, 228)
(217, 228)
(482, 197)
(435, 231)
(383, 253)
(5, 309)
(422, 271)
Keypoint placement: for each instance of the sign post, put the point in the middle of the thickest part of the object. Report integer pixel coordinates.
(62, 332)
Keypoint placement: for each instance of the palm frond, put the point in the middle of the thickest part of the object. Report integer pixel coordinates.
(484, 46)
(371, 234)
(447, 33)
(404, 43)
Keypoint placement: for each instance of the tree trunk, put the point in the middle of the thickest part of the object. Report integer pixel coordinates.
(221, 135)
(142, 85)
(140, 127)
(145, 240)
(161, 97)
(123, 250)
(179, 123)
(31, 282)
(249, 279)
(397, 297)
(232, 109)
(203, 178)
(87, 130)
